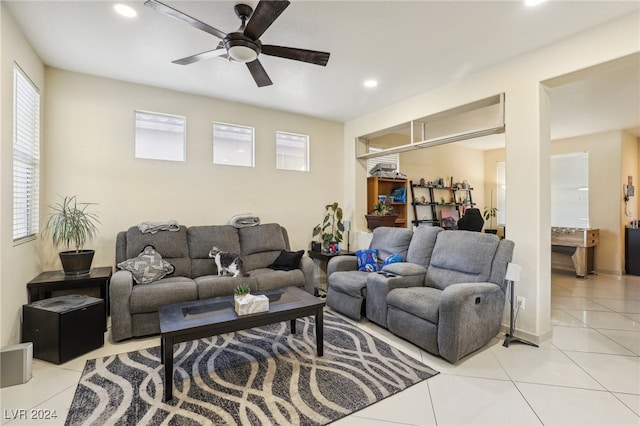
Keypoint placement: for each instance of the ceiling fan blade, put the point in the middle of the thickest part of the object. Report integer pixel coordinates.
(263, 16)
(259, 74)
(303, 55)
(169, 11)
(201, 56)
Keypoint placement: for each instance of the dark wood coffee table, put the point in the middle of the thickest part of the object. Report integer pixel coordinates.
(187, 321)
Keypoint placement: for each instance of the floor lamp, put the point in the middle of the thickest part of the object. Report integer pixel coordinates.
(347, 228)
(512, 276)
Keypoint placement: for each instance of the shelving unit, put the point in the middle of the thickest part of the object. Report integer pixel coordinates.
(436, 199)
(383, 186)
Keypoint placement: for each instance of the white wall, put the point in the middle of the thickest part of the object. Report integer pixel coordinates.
(88, 151)
(527, 143)
(605, 158)
(19, 263)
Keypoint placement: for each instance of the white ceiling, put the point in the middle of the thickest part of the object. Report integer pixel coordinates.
(409, 47)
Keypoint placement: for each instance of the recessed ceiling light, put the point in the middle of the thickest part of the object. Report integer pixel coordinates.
(533, 2)
(370, 83)
(126, 11)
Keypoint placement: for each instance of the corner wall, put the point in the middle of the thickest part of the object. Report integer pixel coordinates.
(19, 264)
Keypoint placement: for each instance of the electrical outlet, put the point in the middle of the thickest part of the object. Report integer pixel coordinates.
(520, 302)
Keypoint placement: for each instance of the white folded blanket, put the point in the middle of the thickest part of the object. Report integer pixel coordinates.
(244, 220)
(153, 227)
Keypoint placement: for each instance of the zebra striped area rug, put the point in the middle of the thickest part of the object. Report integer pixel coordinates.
(262, 376)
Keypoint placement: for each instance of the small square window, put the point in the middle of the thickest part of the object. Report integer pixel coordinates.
(160, 136)
(292, 152)
(233, 145)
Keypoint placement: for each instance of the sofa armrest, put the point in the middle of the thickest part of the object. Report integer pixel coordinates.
(342, 263)
(120, 287)
(395, 275)
(405, 269)
(307, 267)
(470, 316)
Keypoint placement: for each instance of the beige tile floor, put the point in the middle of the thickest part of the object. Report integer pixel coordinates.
(588, 373)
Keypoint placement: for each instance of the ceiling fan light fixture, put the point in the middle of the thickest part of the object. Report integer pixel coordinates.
(241, 48)
(242, 54)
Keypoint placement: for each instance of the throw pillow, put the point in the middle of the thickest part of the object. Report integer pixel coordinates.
(392, 258)
(287, 260)
(367, 260)
(147, 267)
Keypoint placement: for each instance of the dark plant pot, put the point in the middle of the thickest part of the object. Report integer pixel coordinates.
(76, 262)
(316, 246)
(490, 231)
(375, 221)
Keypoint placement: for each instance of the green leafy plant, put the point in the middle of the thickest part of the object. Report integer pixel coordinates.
(489, 213)
(242, 290)
(331, 228)
(71, 224)
(382, 208)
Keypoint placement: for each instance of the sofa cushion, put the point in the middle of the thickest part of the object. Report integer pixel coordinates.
(461, 257)
(201, 239)
(172, 245)
(353, 283)
(261, 245)
(261, 238)
(422, 243)
(147, 298)
(213, 285)
(287, 260)
(268, 279)
(422, 302)
(388, 241)
(147, 267)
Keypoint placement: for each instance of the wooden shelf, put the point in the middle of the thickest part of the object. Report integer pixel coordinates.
(383, 186)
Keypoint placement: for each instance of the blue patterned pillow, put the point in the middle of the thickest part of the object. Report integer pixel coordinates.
(367, 260)
(392, 258)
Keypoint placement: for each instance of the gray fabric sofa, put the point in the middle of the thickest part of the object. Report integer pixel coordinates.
(134, 307)
(448, 297)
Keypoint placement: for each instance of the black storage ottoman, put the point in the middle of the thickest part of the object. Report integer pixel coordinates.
(62, 328)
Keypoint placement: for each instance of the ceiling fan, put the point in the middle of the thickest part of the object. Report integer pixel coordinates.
(244, 44)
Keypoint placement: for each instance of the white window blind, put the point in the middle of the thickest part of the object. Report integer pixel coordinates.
(160, 136)
(292, 151)
(26, 156)
(233, 145)
(386, 159)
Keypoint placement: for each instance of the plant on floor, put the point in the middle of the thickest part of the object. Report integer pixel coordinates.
(489, 213)
(331, 228)
(242, 290)
(71, 224)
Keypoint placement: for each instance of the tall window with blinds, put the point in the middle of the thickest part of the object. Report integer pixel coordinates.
(26, 157)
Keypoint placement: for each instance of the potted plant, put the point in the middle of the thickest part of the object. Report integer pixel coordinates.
(381, 215)
(241, 291)
(72, 225)
(488, 214)
(331, 228)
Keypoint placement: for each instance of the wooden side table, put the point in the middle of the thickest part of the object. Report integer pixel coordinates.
(324, 259)
(42, 286)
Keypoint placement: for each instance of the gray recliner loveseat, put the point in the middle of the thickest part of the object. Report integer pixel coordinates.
(447, 297)
(134, 307)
